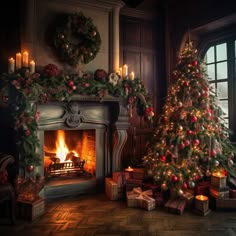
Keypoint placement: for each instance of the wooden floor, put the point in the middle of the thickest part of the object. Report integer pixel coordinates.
(96, 215)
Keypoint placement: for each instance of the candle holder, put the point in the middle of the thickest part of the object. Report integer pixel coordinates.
(202, 205)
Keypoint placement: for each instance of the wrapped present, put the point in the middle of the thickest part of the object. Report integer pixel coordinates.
(138, 173)
(159, 199)
(155, 188)
(227, 203)
(112, 190)
(189, 198)
(232, 193)
(120, 178)
(218, 180)
(139, 198)
(202, 188)
(133, 183)
(176, 206)
(222, 192)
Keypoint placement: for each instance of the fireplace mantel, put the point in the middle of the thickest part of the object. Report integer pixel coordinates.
(108, 116)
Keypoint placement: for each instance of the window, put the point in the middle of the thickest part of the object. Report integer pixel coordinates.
(220, 59)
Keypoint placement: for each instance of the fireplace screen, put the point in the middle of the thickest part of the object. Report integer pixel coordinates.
(69, 153)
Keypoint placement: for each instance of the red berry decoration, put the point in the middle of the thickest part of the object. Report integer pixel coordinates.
(184, 186)
(27, 132)
(186, 83)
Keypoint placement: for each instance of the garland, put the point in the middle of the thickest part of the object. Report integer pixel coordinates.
(77, 40)
(27, 91)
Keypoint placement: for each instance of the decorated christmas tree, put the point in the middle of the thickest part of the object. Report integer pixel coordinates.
(191, 141)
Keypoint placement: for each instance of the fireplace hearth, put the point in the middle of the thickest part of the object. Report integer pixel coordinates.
(83, 120)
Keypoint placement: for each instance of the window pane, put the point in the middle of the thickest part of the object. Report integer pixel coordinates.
(222, 71)
(211, 72)
(224, 107)
(210, 55)
(222, 90)
(221, 52)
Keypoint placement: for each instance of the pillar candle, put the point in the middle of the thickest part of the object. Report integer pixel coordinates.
(11, 65)
(32, 67)
(18, 60)
(125, 70)
(131, 75)
(25, 59)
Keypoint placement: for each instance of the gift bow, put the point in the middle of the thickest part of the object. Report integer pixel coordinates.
(143, 194)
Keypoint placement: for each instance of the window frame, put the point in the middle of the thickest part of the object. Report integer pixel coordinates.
(230, 40)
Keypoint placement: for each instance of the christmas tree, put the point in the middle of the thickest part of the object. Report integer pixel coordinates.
(191, 140)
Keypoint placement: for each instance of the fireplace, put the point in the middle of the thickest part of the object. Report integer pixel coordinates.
(89, 134)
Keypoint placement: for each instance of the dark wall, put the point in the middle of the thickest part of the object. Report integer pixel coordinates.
(184, 15)
(10, 31)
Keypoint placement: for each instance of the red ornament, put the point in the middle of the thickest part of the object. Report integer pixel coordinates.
(187, 142)
(184, 185)
(196, 142)
(163, 158)
(30, 168)
(181, 145)
(194, 119)
(174, 178)
(70, 83)
(213, 152)
(194, 63)
(186, 83)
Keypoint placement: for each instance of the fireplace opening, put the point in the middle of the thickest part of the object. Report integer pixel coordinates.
(69, 154)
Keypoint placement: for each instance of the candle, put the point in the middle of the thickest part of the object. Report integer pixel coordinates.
(201, 198)
(18, 60)
(131, 75)
(32, 67)
(125, 70)
(121, 71)
(11, 65)
(202, 204)
(129, 169)
(218, 174)
(25, 59)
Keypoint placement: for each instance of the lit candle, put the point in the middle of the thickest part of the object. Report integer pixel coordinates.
(25, 59)
(11, 65)
(129, 169)
(131, 75)
(125, 70)
(18, 60)
(202, 204)
(201, 198)
(121, 71)
(32, 67)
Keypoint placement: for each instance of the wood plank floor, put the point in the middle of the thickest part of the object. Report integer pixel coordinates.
(96, 215)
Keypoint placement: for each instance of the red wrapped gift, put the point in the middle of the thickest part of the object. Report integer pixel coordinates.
(138, 173)
(142, 199)
(202, 188)
(176, 206)
(120, 177)
(133, 183)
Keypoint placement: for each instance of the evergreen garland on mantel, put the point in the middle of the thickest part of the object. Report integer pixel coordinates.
(25, 91)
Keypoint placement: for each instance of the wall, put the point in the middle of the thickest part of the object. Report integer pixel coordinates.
(39, 17)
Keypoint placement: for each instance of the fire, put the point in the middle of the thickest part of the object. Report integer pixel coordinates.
(61, 147)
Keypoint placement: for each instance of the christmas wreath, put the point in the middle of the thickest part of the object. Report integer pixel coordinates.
(77, 40)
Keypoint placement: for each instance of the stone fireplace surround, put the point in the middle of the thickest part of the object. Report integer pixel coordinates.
(109, 119)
